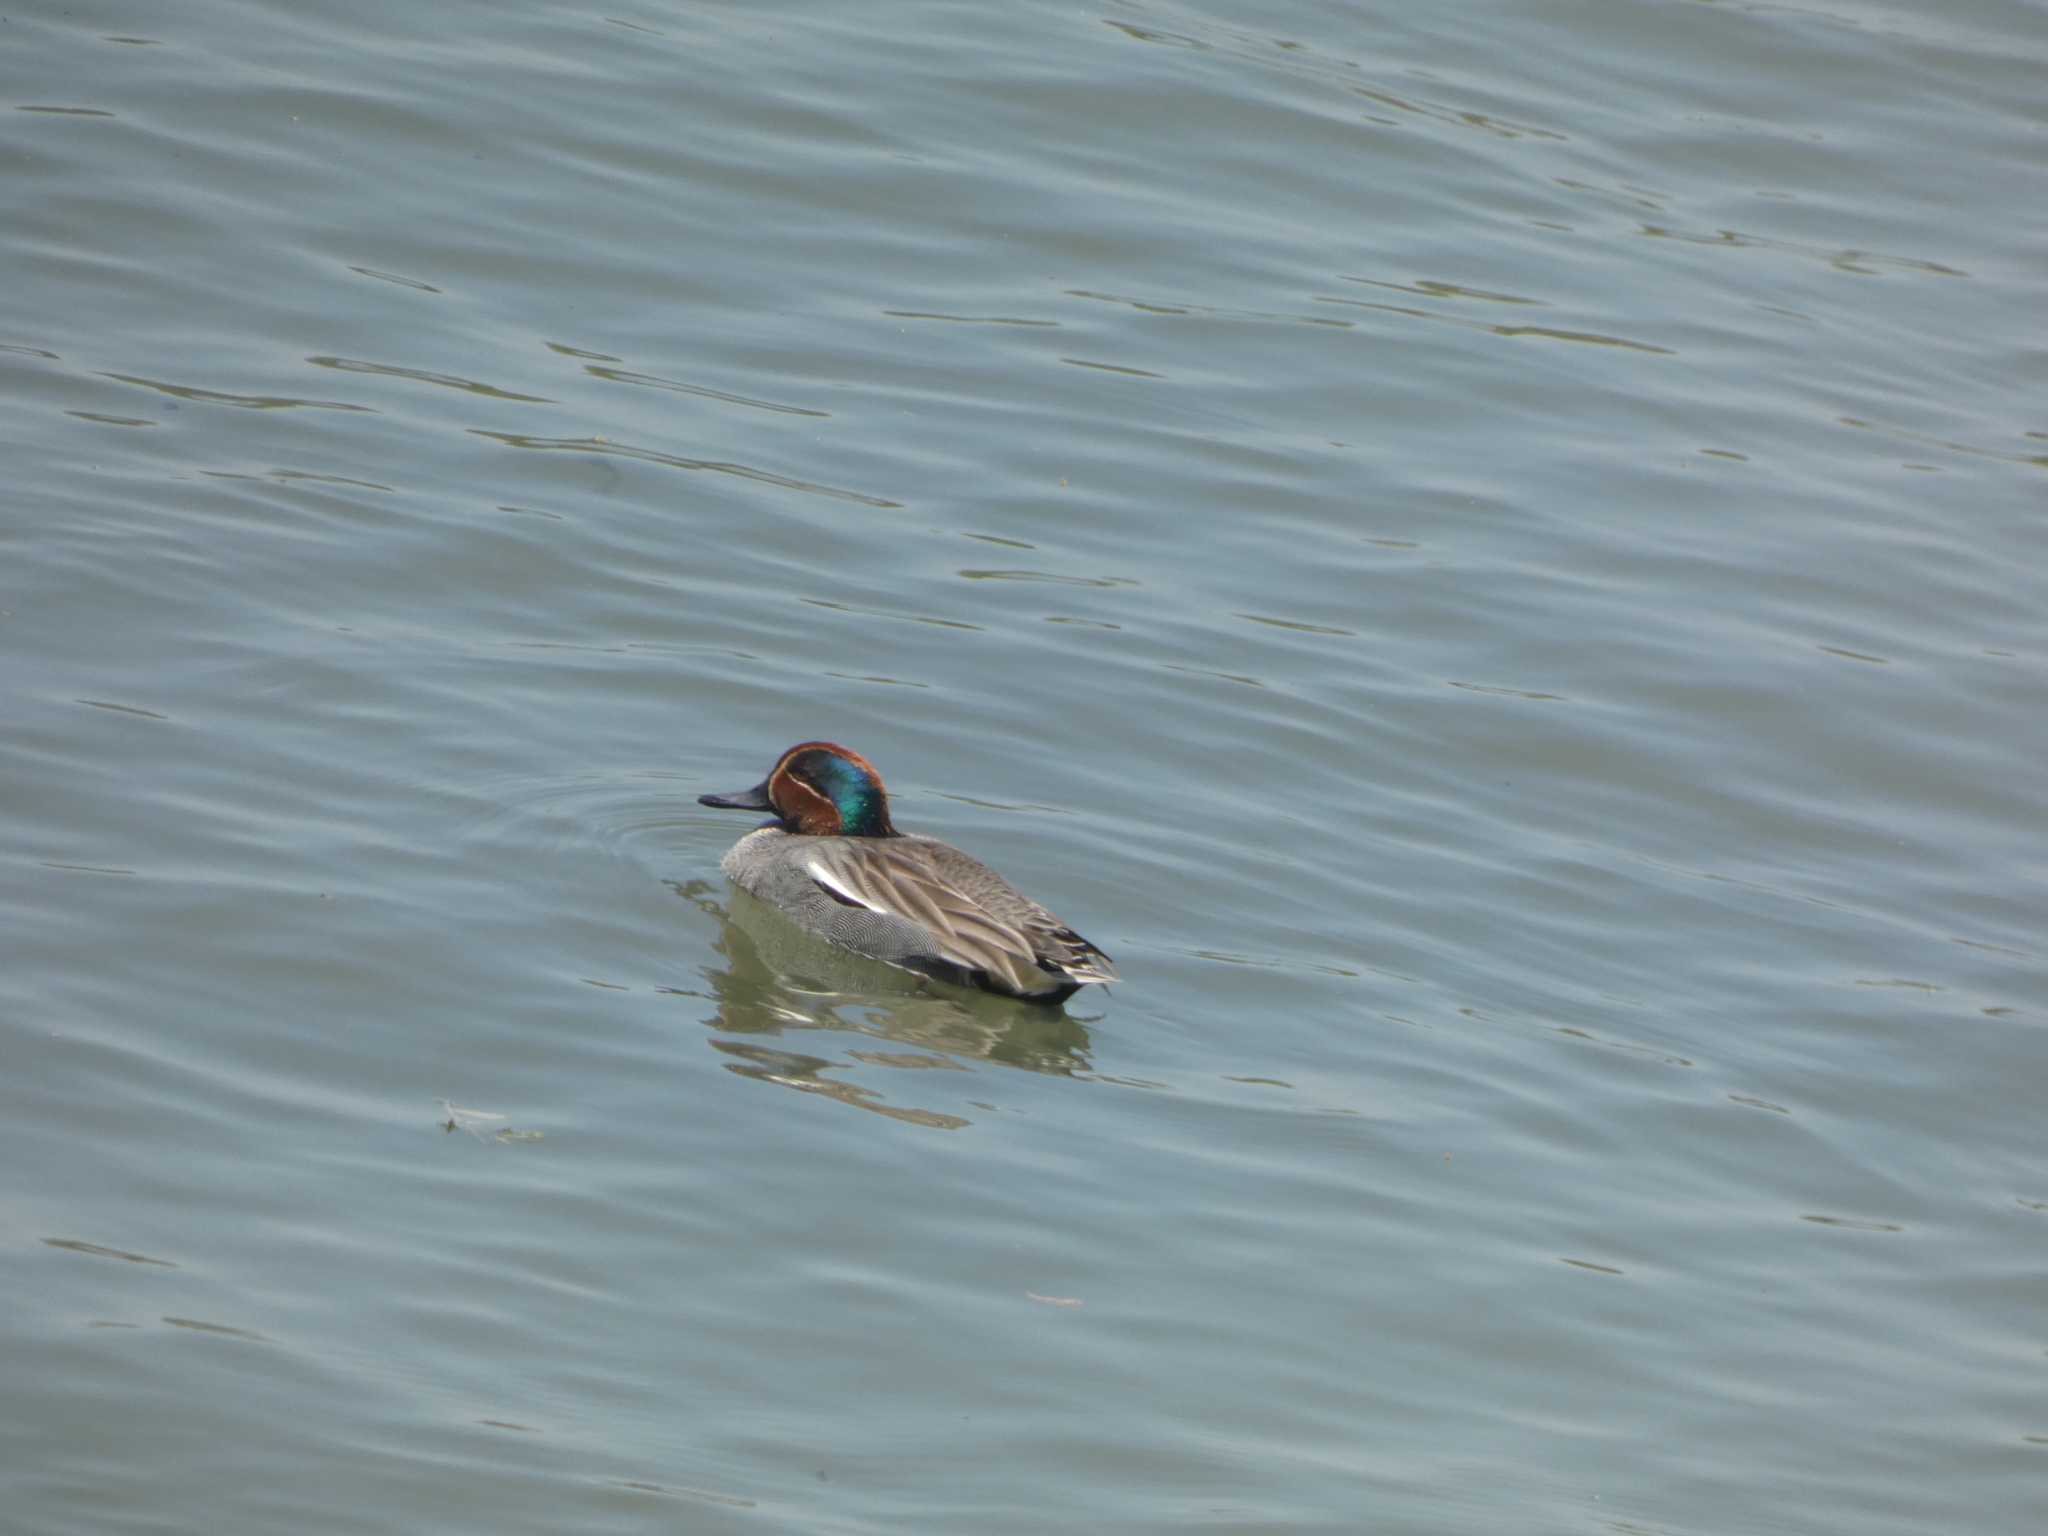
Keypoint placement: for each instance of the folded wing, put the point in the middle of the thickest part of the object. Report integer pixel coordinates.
(976, 919)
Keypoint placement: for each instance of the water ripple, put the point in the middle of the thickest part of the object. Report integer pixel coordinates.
(604, 448)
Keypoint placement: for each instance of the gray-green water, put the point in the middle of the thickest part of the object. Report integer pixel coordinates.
(1492, 556)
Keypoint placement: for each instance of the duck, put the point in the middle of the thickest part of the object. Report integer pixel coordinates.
(830, 859)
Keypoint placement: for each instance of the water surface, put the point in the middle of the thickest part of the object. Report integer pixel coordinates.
(1491, 560)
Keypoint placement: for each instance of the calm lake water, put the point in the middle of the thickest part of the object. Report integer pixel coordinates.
(1492, 556)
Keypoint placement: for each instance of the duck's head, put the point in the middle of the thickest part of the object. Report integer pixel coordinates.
(819, 789)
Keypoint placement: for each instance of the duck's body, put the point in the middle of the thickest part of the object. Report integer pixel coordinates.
(834, 864)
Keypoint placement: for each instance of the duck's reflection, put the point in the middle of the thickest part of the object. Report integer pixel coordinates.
(776, 978)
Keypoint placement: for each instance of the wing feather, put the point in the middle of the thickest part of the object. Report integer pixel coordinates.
(994, 929)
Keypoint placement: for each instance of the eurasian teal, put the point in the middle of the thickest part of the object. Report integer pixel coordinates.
(833, 862)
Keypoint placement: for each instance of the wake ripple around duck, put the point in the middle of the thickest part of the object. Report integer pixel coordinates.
(648, 819)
